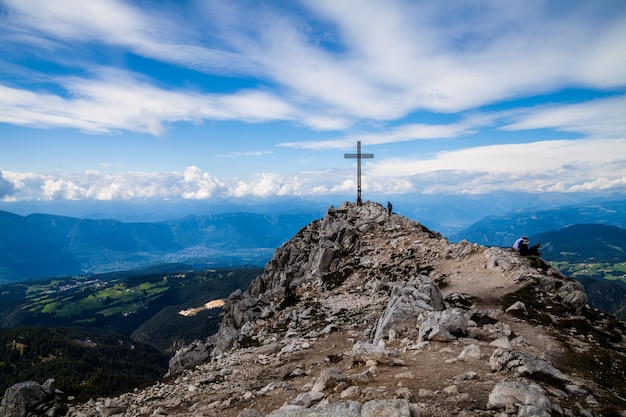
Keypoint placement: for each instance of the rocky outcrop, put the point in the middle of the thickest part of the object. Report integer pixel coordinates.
(349, 240)
(188, 357)
(408, 306)
(364, 313)
(31, 398)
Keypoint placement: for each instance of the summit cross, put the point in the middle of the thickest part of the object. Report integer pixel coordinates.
(358, 156)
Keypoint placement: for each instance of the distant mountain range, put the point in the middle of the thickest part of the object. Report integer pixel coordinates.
(503, 229)
(584, 243)
(41, 245)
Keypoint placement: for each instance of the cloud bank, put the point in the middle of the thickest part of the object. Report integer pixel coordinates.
(543, 166)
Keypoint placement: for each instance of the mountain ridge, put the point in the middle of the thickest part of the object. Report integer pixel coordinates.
(584, 243)
(41, 245)
(364, 313)
(503, 229)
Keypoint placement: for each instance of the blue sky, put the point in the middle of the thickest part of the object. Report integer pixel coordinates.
(227, 100)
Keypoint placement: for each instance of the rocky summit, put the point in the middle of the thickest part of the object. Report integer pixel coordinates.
(366, 313)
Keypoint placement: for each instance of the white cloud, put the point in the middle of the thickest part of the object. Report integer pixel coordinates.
(164, 34)
(116, 101)
(403, 133)
(351, 66)
(349, 61)
(63, 190)
(267, 185)
(245, 154)
(67, 19)
(599, 118)
(461, 55)
(200, 185)
(6, 187)
(548, 166)
(517, 159)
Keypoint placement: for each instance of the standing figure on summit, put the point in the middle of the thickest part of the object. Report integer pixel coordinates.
(389, 207)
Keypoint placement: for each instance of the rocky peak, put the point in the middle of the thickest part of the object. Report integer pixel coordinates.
(331, 263)
(365, 314)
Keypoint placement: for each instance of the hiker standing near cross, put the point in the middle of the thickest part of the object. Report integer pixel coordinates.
(358, 156)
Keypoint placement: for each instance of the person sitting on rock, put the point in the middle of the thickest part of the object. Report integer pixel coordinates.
(519, 241)
(523, 246)
(534, 249)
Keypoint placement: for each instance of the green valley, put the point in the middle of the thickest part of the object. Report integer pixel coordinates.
(119, 301)
(107, 333)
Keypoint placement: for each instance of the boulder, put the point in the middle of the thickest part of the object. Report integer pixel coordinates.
(342, 409)
(525, 364)
(363, 352)
(31, 398)
(188, 357)
(328, 377)
(407, 307)
(21, 398)
(387, 408)
(575, 300)
(444, 326)
(528, 397)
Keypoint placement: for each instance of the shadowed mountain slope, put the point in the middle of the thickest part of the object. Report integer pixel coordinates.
(41, 245)
(584, 243)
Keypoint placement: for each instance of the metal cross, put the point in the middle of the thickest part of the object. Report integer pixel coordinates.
(358, 156)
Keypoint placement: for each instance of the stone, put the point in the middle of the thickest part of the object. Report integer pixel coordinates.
(451, 390)
(467, 376)
(425, 392)
(188, 357)
(274, 386)
(407, 305)
(502, 342)
(472, 351)
(364, 351)
(341, 409)
(576, 300)
(444, 326)
(517, 306)
(351, 392)
(525, 364)
(305, 399)
(328, 377)
(250, 413)
(530, 396)
(387, 408)
(20, 399)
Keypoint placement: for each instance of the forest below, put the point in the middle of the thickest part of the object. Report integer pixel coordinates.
(103, 334)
